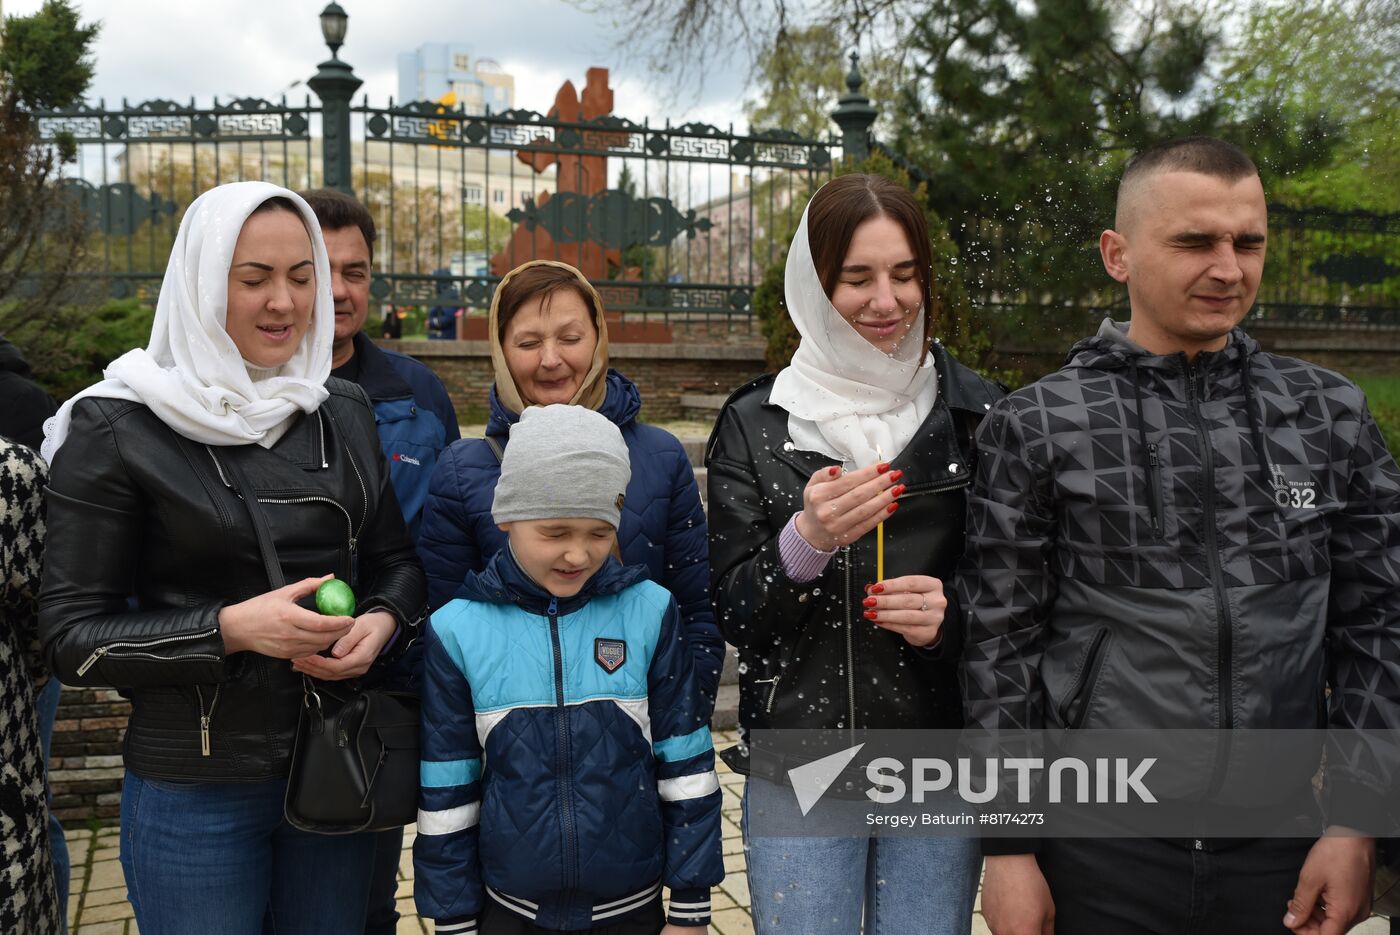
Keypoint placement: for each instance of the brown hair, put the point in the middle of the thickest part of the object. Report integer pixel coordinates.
(1204, 155)
(845, 203)
(278, 203)
(540, 282)
(335, 210)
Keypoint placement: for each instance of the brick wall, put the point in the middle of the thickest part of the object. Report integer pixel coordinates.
(86, 765)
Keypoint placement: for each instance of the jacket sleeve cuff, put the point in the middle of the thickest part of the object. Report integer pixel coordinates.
(802, 561)
(1006, 847)
(690, 907)
(1357, 806)
(458, 925)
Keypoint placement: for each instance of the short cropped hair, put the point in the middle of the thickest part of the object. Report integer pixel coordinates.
(335, 210)
(1201, 154)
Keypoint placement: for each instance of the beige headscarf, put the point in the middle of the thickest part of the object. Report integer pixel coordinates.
(595, 385)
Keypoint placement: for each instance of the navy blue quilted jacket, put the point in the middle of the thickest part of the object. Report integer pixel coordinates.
(663, 524)
(567, 770)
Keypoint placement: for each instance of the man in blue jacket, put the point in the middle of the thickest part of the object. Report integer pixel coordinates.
(415, 415)
(416, 423)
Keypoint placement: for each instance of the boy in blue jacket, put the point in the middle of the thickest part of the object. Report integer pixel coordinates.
(567, 770)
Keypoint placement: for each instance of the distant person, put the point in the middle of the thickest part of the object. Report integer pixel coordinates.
(29, 897)
(442, 317)
(1179, 530)
(568, 771)
(392, 326)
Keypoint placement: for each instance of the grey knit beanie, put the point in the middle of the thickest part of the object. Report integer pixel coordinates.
(562, 462)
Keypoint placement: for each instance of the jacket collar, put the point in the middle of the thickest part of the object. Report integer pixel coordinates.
(1110, 349)
(503, 581)
(377, 375)
(620, 406)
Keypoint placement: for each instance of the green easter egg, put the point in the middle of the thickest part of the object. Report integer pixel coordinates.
(335, 599)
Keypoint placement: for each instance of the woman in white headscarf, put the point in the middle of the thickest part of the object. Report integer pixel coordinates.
(855, 456)
(154, 581)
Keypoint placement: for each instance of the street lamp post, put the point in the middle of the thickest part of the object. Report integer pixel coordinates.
(335, 84)
(855, 115)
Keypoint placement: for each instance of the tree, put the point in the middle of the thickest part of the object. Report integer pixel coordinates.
(1325, 69)
(44, 62)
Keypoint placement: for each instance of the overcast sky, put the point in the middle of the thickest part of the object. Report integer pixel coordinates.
(258, 48)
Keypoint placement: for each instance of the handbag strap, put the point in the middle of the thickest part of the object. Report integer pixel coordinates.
(244, 490)
(494, 443)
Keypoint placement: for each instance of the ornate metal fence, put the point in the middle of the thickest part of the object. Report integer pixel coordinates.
(678, 220)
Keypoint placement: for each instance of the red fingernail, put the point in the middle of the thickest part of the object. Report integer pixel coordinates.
(871, 615)
(876, 589)
(882, 467)
(896, 475)
(869, 602)
(832, 472)
(892, 507)
(897, 490)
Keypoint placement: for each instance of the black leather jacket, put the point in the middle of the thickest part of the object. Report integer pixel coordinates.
(139, 515)
(808, 657)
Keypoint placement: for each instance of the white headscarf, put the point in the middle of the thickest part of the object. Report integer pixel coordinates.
(845, 397)
(191, 374)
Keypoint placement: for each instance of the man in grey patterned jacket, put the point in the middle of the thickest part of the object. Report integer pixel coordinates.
(1180, 530)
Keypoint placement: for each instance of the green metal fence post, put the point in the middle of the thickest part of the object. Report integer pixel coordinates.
(855, 115)
(335, 84)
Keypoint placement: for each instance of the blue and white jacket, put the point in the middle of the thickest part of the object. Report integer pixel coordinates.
(662, 527)
(572, 721)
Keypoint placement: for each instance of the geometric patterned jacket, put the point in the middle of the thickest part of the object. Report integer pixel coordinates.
(28, 899)
(1155, 544)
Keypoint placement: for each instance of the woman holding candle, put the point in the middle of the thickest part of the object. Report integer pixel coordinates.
(862, 446)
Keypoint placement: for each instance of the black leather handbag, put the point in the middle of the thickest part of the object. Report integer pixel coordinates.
(355, 759)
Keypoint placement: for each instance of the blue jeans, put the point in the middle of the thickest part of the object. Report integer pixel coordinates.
(382, 917)
(46, 709)
(825, 886)
(216, 858)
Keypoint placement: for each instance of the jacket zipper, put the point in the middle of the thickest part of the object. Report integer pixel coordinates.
(353, 533)
(206, 717)
(1224, 661)
(1154, 488)
(1083, 686)
(139, 645)
(565, 768)
(1223, 621)
(351, 539)
(850, 641)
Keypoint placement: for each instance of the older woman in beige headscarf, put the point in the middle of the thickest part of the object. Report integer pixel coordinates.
(549, 344)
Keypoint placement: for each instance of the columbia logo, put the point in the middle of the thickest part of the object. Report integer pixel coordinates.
(407, 459)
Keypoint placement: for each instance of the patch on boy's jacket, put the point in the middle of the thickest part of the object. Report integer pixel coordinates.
(610, 654)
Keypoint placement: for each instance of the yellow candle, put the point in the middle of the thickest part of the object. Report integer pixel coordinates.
(880, 538)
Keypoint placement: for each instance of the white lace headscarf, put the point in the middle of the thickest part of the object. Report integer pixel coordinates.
(191, 374)
(845, 397)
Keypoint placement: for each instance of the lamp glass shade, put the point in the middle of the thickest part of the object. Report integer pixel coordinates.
(334, 20)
